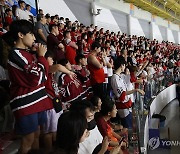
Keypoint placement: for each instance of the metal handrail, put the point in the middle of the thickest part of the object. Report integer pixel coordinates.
(152, 87)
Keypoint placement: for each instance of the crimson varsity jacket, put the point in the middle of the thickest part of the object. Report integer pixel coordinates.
(27, 73)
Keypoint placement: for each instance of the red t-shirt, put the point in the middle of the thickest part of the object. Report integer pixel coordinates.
(97, 74)
(9, 20)
(52, 46)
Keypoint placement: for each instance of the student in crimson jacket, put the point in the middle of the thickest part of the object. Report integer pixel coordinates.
(50, 127)
(27, 73)
(70, 89)
(83, 74)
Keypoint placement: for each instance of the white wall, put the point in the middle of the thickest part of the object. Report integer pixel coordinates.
(136, 28)
(141, 14)
(115, 4)
(174, 27)
(170, 36)
(161, 21)
(106, 20)
(156, 32)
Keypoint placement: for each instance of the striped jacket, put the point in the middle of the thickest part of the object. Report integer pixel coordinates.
(27, 74)
(69, 90)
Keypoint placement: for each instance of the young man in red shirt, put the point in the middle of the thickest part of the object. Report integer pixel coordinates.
(8, 18)
(53, 44)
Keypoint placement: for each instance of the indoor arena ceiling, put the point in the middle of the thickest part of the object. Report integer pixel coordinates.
(167, 9)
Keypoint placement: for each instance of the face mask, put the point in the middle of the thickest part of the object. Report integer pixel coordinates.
(91, 124)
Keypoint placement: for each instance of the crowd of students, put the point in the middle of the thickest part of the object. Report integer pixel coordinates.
(81, 75)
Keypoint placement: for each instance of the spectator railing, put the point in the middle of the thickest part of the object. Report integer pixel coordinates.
(152, 87)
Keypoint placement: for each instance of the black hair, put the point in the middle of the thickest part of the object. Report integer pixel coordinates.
(103, 49)
(27, 5)
(107, 41)
(39, 16)
(7, 10)
(94, 100)
(22, 26)
(81, 106)
(14, 7)
(51, 26)
(49, 54)
(40, 10)
(95, 45)
(65, 33)
(47, 16)
(90, 34)
(83, 35)
(132, 68)
(61, 18)
(71, 126)
(73, 29)
(107, 106)
(79, 57)
(118, 62)
(67, 19)
(20, 2)
(52, 17)
(63, 62)
(97, 39)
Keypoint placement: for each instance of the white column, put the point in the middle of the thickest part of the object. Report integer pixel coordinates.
(151, 25)
(129, 25)
(167, 34)
(179, 36)
(93, 10)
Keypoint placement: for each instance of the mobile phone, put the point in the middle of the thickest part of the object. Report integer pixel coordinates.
(121, 140)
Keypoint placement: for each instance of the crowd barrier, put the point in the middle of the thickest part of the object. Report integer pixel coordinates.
(159, 92)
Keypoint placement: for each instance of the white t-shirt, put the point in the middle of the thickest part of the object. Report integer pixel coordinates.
(113, 51)
(119, 85)
(22, 14)
(130, 86)
(89, 144)
(29, 13)
(151, 71)
(105, 72)
(109, 70)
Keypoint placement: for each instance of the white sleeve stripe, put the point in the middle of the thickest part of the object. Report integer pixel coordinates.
(68, 91)
(21, 56)
(28, 94)
(41, 65)
(40, 79)
(14, 65)
(62, 78)
(35, 72)
(45, 77)
(32, 103)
